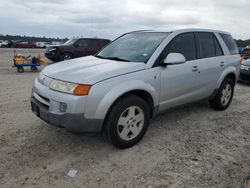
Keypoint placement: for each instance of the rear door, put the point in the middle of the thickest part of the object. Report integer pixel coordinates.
(212, 61)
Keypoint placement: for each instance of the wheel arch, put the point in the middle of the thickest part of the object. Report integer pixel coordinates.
(231, 76)
(66, 52)
(230, 72)
(145, 95)
(141, 89)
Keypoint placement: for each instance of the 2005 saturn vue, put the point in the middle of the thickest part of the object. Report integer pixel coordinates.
(135, 77)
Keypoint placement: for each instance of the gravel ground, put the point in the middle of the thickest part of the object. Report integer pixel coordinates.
(194, 146)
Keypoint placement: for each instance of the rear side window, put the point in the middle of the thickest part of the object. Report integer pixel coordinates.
(184, 44)
(209, 45)
(230, 43)
(87, 42)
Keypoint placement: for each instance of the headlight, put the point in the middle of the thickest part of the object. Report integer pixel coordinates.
(244, 67)
(70, 88)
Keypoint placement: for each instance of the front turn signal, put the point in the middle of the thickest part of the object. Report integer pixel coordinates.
(82, 89)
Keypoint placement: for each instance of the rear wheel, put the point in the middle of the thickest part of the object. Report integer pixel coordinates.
(224, 96)
(127, 121)
(66, 56)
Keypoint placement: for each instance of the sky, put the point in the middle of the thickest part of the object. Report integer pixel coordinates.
(111, 18)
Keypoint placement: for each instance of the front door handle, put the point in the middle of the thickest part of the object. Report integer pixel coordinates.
(195, 68)
(222, 64)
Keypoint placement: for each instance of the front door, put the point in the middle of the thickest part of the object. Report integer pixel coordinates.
(180, 83)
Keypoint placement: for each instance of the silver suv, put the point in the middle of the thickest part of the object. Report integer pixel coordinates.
(135, 77)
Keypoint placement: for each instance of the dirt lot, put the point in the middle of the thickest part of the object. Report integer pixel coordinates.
(191, 147)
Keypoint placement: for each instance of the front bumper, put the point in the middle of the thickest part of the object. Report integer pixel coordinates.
(71, 122)
(53, 56)
(244, 76)
(45, 103)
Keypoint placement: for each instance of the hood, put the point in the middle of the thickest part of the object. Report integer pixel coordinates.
(90, 69)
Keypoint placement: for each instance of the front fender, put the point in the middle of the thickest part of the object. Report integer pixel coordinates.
(115, 92)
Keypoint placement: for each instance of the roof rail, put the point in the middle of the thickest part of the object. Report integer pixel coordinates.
(137, 31)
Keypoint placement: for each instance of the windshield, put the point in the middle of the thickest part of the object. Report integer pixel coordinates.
(133, 47)
(70, 42)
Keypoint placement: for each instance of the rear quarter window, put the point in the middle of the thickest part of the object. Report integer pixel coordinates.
(230, 43)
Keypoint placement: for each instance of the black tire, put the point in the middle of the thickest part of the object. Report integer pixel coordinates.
(20, 69)
(111, 127)
(33, 68)
(65, 56)
(216, 102)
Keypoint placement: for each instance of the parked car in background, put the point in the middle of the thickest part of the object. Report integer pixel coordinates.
(57, 43)
(43, 44)
(75, 48)
(245, 70)
(3, 43)
(244, 52)
(7, 44)
(136, 77)
(25, 45)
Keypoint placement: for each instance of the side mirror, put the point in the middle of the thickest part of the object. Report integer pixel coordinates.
(76, 45)
(174, 59)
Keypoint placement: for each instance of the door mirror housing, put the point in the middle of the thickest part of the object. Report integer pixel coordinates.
(76, 45)
(174, 59)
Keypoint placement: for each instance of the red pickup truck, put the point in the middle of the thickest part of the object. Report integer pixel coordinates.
(25, 45)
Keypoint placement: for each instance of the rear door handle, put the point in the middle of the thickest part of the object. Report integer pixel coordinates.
(222, 64)
(195, 68)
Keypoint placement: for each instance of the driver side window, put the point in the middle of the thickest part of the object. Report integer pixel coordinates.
(183, 44)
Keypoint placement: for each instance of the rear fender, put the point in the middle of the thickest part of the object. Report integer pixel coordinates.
(226, 72)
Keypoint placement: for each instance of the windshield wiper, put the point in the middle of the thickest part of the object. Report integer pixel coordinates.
(117, 59)
(113, 58)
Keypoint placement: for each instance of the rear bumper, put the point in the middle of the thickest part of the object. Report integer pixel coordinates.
(71, 122)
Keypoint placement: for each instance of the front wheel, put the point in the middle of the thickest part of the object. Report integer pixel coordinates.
(224, 96)
(127, 121)
(65, 56)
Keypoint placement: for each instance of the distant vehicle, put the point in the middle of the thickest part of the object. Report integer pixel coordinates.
(57, 43)
(244, 52)
(43, 44)
(245, 70)
(10, 44)
(3, 43)
(134, 78)
(25, 45)
(75, 48)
